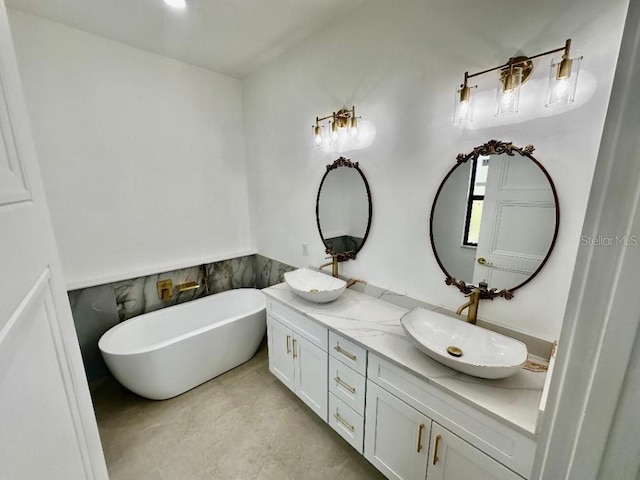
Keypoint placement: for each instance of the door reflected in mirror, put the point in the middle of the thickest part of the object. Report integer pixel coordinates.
(494, 219)
(343, 209)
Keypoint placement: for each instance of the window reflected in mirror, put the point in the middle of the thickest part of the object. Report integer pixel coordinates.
(479, 169)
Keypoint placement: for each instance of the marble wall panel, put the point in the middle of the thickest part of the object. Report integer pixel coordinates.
(94, 312)
(234, 273)
(140, 295)
(269, 272)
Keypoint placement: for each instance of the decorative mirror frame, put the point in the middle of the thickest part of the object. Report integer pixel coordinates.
(343, 162)
(494, 147)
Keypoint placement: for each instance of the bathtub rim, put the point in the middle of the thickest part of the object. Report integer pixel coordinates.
(106, 337)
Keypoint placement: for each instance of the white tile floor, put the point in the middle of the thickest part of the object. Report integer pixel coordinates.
(242, 425)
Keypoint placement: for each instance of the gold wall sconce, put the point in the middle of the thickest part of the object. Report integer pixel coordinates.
(563, 79)
(342, 126)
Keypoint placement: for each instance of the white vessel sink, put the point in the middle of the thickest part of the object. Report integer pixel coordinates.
(462, 346)
(315, 286)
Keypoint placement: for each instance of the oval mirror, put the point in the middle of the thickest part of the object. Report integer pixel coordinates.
(343, 209)
(494, 219)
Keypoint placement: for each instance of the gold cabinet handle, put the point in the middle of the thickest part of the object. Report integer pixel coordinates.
(345, 385)
(344, 422)
(295, 353)
(435, 450)
(288, 346)
(339, 349)
(420, 430)
(482, 261)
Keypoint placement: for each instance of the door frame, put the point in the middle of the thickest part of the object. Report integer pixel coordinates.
(589, 389)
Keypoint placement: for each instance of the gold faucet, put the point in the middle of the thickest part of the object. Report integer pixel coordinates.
(333, 263)
(472, 304)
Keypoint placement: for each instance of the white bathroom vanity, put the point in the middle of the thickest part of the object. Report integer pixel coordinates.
(410, 416)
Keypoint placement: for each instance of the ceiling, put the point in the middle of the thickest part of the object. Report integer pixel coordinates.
(232, 37)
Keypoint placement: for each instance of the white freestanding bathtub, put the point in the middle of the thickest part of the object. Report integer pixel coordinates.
(164, 353)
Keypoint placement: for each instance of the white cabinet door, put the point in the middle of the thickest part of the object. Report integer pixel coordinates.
(280, 342)
(451, 458)
(300, 365)
(47, 424)
(396, 439)
(311, 370)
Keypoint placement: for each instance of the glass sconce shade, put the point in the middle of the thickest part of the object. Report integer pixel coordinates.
(563, 80)
(318, 139)
(353, 127)
(334, 130)
(463, 106)
(508, 91)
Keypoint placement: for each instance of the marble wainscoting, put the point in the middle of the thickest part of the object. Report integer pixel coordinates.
(270, 272)
(140, 295)
(94, 312)
(230, 274)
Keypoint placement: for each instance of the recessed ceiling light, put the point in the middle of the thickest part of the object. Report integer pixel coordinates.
(176, 3)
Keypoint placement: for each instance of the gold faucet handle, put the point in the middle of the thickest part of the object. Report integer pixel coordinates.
(165, 289)
(353, 281)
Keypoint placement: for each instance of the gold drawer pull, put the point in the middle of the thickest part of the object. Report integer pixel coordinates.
(345, 385)
(339, 349)
(288, 346)
(295, 353)
(344, 422)
(420, 430)
(435, 450)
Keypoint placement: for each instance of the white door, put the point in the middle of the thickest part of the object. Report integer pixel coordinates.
(518, 221)
(311, 370)
(451, 458)
(280, 342)
(396, 437)
(47, 424)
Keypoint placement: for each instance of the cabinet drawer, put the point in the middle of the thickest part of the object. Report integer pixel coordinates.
(347, 384)
(312, 331)
(348, 353)
(346, 422)
(499, 441)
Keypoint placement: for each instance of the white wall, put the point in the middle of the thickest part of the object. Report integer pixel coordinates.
(142, 156)
(399, 63)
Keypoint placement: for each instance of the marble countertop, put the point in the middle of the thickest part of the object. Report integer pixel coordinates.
(375, 325)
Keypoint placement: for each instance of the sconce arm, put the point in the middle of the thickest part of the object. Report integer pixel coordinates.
(511, 61)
